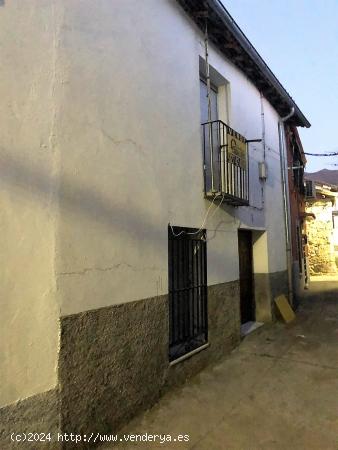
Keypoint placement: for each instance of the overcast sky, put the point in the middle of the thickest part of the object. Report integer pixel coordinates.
(298, 39)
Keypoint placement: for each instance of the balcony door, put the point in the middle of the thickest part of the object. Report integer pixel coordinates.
(204, 102)
(214, 130)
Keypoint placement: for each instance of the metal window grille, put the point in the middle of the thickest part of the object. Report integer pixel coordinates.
(310, 189)
(188, 315)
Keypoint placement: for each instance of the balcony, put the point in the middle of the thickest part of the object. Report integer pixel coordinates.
(226, 165)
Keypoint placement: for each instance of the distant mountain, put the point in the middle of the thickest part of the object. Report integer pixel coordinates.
(324, 176)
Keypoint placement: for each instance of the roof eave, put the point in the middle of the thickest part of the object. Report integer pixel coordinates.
(268, 83)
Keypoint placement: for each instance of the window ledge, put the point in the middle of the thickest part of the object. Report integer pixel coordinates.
(188, 355)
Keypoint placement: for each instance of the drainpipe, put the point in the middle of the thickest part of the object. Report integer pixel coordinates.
(286, 201)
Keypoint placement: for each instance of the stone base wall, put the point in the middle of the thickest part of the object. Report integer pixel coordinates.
(37, 414)
(114, 361)
(112, 364)
(223, 335)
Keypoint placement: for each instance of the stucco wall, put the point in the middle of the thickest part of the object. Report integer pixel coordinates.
(131, 154)
(29, 314)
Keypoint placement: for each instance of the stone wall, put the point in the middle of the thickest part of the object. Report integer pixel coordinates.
(37, 414)
(320, 238)
(114, 361)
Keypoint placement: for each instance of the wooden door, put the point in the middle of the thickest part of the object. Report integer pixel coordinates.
(246, 276)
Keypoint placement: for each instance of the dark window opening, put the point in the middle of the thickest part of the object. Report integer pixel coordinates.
(299, 249)
(188, 315)
(335, 220)
(298, 169)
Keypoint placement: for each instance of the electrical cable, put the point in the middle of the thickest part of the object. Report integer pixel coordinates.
(322, 154)
(204, 221)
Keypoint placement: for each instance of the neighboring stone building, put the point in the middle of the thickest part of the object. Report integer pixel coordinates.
(134, 242)
(322, 231)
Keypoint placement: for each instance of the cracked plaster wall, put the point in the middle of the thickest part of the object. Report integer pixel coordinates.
(29, 313)
(131, 158)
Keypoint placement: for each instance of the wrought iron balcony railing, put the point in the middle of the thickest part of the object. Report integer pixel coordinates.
(226, 165)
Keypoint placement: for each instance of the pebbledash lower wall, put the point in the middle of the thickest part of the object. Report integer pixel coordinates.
(37, 414)
(113, 362)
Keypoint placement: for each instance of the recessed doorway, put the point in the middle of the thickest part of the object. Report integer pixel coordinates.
(247, 297)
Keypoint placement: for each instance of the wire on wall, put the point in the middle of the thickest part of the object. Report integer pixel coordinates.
(205, 218)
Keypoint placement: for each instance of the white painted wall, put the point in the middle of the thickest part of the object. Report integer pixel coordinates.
(29, 313)
(131, 154)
